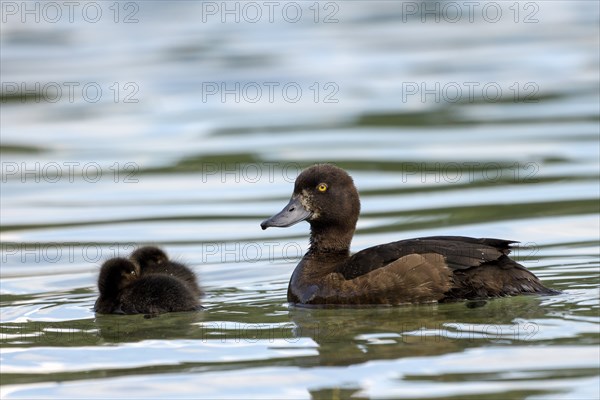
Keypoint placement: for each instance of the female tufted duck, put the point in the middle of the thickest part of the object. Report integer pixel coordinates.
(125, 290)
(152, 260)
(429, 269)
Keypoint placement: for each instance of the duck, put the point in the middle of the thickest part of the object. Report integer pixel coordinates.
(124, 289)
(421, 270)
(153, 260)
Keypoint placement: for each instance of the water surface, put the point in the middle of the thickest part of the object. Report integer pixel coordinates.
(195, 172)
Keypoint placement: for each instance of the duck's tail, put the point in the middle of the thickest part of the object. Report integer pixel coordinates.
(498, 278)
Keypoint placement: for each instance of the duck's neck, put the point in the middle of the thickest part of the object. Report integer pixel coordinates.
(330, 240)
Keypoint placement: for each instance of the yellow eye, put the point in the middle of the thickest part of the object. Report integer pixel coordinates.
(322, 187)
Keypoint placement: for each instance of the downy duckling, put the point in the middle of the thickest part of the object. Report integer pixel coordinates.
(124, 290)
(152, 260)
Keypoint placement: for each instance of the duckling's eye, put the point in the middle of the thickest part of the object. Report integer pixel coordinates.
(322, 187)
(132, 272)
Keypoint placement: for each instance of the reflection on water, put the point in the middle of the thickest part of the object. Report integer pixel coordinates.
(477, 127)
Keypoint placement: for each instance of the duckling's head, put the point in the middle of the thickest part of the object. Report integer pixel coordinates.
(148, 254)
(325, 196)
(115, 274)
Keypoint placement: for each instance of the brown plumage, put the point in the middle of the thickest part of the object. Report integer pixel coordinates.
(124, 289)
(430, 269)
(153, 260)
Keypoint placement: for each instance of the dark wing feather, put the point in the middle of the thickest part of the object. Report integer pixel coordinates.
(459, 253)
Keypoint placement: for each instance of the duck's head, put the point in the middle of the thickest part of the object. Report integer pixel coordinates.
(115, 274)
(148, 254)
(325, 196)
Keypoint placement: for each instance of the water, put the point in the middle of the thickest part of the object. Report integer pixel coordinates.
(166, 155)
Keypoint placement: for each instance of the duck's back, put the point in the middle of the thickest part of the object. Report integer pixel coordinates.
(442, 268)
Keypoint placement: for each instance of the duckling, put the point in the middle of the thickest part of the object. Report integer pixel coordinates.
(115, 275)
(152, 260)
(428, 269)
(124, 290)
